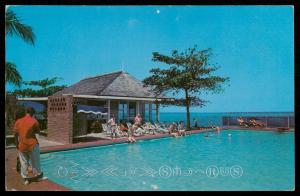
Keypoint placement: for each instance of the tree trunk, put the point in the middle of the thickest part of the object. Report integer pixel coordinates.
(187, 110)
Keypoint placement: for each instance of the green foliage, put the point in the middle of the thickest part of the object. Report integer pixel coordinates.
(46, 86)
(43, 83)
(14, 26)
(12, 75)
(189, 72)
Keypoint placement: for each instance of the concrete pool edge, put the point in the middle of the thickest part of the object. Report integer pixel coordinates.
(75, 146)
(66, 147)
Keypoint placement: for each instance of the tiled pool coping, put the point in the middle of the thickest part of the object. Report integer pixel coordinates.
(13, 178)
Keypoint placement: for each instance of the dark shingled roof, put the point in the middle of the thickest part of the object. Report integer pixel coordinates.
(113, 84)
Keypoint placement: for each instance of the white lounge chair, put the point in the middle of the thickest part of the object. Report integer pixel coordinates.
(106, 129)
(160, 129)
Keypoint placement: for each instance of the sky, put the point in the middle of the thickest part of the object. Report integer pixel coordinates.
(253, 45)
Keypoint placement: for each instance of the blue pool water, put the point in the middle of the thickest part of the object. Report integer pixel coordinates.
(247, 160)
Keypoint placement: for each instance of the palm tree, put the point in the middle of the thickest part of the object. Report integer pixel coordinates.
(12, 75)
(14, 26)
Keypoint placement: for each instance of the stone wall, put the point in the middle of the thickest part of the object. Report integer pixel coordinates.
(60, 118)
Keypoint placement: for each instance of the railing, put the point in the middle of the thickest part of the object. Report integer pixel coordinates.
(268, 121)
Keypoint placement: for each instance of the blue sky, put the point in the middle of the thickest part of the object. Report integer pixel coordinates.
(254, 45)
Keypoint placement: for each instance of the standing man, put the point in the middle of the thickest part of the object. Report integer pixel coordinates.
(28, 147)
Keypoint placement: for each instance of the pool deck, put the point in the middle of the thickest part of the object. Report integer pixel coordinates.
(13, 179)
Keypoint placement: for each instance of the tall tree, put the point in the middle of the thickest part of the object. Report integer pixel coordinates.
(12, 75)
(189, 72)
(15, 27)
(43, 88)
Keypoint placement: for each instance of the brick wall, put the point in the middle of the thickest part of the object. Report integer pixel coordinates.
(60, 118)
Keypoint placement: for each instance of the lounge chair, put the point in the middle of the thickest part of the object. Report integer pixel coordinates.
(160, 129)
(106, 129)
(243, 123)
(254, 123)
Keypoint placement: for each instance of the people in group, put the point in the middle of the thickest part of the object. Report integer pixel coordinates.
(28, 146)
(149, 127)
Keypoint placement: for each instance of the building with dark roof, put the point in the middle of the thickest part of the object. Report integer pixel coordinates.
(72, 111)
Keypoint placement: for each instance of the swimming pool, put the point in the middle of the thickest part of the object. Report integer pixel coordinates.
(247, 160)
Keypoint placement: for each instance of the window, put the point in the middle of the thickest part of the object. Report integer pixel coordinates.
(123, 107)
(132, 110)
(153, 115)
(146, 111)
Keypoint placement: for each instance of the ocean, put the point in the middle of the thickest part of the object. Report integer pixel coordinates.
(209, 119)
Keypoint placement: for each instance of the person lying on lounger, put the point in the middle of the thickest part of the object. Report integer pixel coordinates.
(242, 122)
(255, 123)
(149, 127)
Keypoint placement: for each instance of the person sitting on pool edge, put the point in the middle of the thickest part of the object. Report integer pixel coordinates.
(172, 129)
(181, 130)
(112, 126)
(131, 139)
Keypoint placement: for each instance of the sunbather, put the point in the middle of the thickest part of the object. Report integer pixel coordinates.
(242, 122)
(137, 131)
(255, 123)
(149, 128)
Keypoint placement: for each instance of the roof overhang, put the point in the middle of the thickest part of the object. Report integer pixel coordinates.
(32, 99)
(118, 98)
